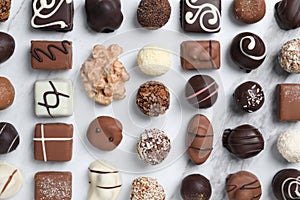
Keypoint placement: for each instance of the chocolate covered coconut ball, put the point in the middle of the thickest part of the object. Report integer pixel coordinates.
(288, 145)
(289, 56)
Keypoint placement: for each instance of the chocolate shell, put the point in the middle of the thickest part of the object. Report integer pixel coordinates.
(7, 46)
(287, 14)
(9, 138)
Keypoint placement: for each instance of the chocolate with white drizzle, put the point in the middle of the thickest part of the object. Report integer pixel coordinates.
(9, 138)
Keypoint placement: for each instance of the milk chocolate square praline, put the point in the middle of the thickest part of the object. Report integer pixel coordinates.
(289, 102)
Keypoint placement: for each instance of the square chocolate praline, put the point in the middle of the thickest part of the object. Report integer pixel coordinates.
(53, 142)
(53, 185)
(203, 16)
(289, 102)
(59, 17)
(51, 55)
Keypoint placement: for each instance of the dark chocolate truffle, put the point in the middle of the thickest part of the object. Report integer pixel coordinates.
(7, 93)
(286, 184)
(9, 138)
(244, 141)
(153, 98)
(195, 187)
(104, 15)
(201, 91)
(153, 14)
(249, 96)
(248, 51)
(287, 14)
(249, 12)
(243, 185)
(105, 133)
(7, 46)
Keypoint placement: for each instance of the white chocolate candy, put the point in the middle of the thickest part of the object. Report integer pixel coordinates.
(105, 181)
(11, 180)
(53, 98)
(288, 145)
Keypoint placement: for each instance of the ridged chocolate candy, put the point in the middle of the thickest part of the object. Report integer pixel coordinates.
(244, 141)
(287, 14)
(9, 138)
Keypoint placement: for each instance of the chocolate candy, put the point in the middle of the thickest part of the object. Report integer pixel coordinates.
(153, 146)
(4, 10)
(288, 145)
(105, 181)
(288, 102)
(56, 15)
(7, 94)
(199, 139)
(51, 55)
(53, 98)
(287, 14)
(244, 141)
(249, 12)
(286, 184)
(147, 188)
(153, 14)
(53, 185)
(7, 46)
(197, 55)
(105, 133)
(9, 138)
(202, 16)
(248, 51)
(104, 16)
(153, 98)
(195, 187)
(249, 96)
(243, 185)
(53, 142)
(289, 56)
(201, 91)
(11, 180)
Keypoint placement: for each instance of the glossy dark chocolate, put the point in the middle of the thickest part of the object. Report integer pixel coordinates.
(289, 102)
(104, 15)
(244, 141)
(9, 138)
(287, 14)
(7, 46)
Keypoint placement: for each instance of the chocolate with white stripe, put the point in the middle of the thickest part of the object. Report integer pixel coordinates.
(201, 91)
(9, 138)
(197, 55)
(244, 141)
(199, 139)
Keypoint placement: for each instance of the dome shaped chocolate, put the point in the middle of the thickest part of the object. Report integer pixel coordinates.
(9, 138)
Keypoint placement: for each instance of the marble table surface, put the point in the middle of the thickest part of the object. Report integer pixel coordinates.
(131, 37)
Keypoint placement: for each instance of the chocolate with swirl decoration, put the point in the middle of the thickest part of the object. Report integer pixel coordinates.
(286, 184)
(243, 185)
(248, 51)
(54, 15)
(202, 16)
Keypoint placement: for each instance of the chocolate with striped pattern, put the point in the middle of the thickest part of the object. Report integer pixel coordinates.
(9, 138)
(201, 91)
(244, 141)
(199, 139)
(243, 185)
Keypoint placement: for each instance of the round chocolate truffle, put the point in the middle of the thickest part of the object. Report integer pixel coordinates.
(243, 185)
(153, 14)
(153, 98)
(105, 133)
(7, 46)
(288, 146)
(153, 146)
(7, 93)
(104, 15)
(287, 14)
(248, 51)
(249, 12)
(244, 141)
(9, 138)
(249, 96)
(286, 183)
(201, 91)
(195, 187)
(289, 56)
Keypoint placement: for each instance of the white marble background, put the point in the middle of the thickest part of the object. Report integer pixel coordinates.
(219, 165)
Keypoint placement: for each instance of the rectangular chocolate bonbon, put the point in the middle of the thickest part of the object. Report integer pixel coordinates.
(289, 102)
(51, 55)
(203, 16)
(51, 185)
(54, 15)
(53, 142)
(197, 55)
